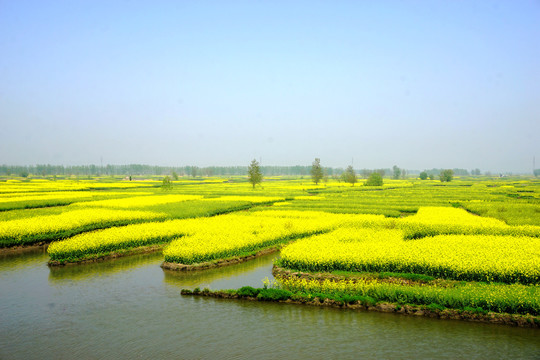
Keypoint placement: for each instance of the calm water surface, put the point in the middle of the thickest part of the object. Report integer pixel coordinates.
(130, 308)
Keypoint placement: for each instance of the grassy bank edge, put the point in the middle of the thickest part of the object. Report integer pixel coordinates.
(221, 262)
(367, 304)
(279, 270)
(399, 284)
(109, 255)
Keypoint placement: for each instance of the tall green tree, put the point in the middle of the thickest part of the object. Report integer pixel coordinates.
(254, 173)
(396, 172)
(446, 175)
(403, 173)
(316, 171)
(349, 176)
(167, 183)
(194, 171)
(375, 179)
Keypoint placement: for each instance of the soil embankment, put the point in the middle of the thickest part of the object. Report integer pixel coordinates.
(20, 249)
(217, 263)
(110, 256)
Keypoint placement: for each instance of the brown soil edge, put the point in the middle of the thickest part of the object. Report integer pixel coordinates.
(218, 263)
(19, 249)
(411, 310)
(113, 255)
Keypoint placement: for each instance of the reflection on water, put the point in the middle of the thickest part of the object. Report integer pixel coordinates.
(255, 330)
(249, 273)
(100, 268)
(130, 308)
(13, 261)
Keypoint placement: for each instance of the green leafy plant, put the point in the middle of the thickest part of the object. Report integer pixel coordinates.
(375, 179)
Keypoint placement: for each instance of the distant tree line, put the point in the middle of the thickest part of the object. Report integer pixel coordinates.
(456, 171)
(195, 171)
(149, 170)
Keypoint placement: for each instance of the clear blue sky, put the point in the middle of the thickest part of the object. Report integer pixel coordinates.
(419, 84)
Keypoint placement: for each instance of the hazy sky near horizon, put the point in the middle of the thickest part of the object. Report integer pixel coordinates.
(419, 84)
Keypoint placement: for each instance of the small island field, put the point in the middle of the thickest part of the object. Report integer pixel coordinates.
(465, 249)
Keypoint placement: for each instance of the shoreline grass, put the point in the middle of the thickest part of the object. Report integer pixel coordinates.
(361, 302)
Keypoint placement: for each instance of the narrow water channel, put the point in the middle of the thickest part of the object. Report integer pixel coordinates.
(130, 308)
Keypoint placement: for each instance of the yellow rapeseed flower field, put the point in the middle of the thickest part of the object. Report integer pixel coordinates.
(140, 201)
(234, 234)
(251, 199)
(67, 196)
(48, 227)
(462, 257)
(108, 240)
(430, 221)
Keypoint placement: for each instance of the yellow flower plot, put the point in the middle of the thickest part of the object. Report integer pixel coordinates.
(235, 234)
(487, 258)
(12, 186)
(513, 213)
(54, 198)
(204, 237)
(313, 197)
(62, 195)
(430, 221)
(140, 201)
(251, 199)
(48, 227)
(101, 242)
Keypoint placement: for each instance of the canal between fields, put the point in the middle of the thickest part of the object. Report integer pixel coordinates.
(130, 308)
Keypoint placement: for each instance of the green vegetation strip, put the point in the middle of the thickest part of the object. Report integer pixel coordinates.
(108, 255)
(362, 302)
(495, 297)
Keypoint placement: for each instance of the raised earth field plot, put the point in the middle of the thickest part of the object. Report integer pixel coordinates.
(464, 250)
